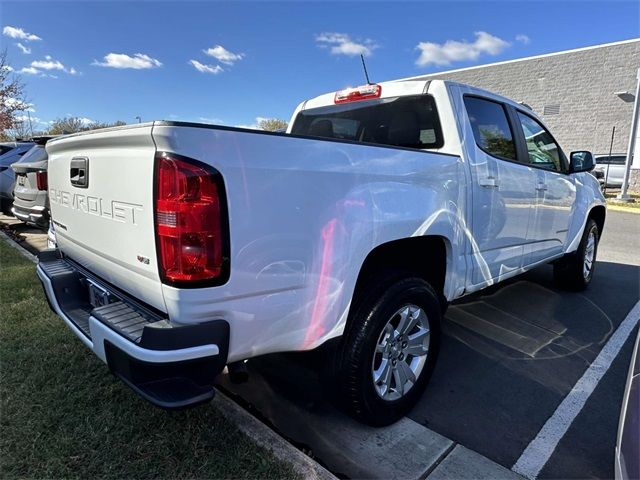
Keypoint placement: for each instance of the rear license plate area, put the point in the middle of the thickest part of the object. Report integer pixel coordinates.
(22, 180)
(98, 296)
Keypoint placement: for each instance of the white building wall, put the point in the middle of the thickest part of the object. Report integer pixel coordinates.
(573, 91)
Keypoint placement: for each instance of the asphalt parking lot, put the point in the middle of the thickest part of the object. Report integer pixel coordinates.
(509, 357)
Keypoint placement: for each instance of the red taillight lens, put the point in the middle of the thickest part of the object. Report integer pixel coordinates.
(41, 181)
(189, 223)
(359, 93)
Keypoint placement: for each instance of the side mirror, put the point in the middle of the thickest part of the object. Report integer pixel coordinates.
(581, 161)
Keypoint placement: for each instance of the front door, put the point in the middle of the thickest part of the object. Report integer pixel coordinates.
(555, 192)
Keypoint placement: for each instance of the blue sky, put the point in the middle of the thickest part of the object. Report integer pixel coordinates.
(230, 62)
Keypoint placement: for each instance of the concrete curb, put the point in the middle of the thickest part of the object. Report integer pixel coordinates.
(303, 465)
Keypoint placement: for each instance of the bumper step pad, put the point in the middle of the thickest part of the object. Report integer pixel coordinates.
(123, 319)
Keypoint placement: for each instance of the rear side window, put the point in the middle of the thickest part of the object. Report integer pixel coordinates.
(410, 121)
(490, 127)
(36, 154)
(4, 149)
(13, 156)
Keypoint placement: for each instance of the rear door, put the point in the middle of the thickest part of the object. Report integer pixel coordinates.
(101, 196)
(503, 190)
(555, 190)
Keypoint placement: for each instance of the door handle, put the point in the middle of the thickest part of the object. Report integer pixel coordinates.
(488, 182)
(79, 172)
(541, 187)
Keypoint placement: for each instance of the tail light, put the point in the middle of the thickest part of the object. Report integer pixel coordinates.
(191, 226)
(41, 181)
(359, 93)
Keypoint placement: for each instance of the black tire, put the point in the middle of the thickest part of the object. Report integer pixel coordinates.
(569, 271)
(353, 356)
(5, 207)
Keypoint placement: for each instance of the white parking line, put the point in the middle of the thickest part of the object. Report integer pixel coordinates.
(538, 452)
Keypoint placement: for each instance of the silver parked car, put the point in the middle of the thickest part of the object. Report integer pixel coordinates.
(610, 168)
(30, 196)
(7, 176)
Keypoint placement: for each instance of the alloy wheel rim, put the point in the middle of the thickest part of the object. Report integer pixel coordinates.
(589, 255)
(401, 352)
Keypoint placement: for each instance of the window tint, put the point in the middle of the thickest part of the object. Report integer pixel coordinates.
(543, 151)
(490, 127)
(410, 121)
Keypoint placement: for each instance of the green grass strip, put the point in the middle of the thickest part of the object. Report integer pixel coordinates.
(63, 415)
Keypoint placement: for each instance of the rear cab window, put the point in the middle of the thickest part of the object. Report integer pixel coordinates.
(408, 121)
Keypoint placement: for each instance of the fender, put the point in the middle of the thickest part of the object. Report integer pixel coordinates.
(358, 227)
(588, 196)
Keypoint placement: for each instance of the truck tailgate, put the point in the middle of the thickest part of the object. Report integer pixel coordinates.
(101, 197)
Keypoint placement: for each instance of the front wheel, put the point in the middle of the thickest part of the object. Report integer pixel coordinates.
(389, 350)
(575, 270)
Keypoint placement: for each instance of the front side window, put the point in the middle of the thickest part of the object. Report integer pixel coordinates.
(542, 150)
(490, 127)
(410, 121)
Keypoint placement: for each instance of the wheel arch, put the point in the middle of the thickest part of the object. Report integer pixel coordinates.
(427, 257)
(598, 214)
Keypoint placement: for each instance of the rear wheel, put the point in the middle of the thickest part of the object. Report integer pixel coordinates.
(387, 354)
(575, 270)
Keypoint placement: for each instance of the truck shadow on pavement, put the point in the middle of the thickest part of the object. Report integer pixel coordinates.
(509, 355)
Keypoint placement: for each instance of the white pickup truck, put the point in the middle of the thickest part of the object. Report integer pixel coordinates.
(184, 248)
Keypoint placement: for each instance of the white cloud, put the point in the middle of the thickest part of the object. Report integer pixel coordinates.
(201, 67)
(86, 121)
(28, 107)
(343, 44)
(48, 64)
(25, 119)
(521, 37)
(216, 121)
(138, 61)
(40, 67)
(23, 49)
(255, 125)
(8, 68)
(15, 32)
(457, 51)
(223, 55)
(30, 71)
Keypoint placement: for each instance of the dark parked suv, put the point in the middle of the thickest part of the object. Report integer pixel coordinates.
(31, 201)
